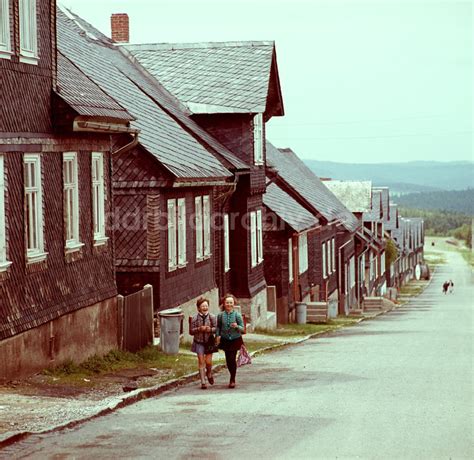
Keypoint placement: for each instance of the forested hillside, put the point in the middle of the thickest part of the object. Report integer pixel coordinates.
(402, 177)
(457, 201)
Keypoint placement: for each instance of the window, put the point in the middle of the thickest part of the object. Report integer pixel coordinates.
(362, 268)
(329, 256)
(71, 200)
(303, 252)
(33, 208)
(98, 198)
(259, 237)
(28, 38)
(226, 243)
(4, 264)
(382, 263)
(256, 237)
(176, 233)
(258, 139)
(323, 251)
(371, 267)
(352, 271)
(253, 238)
(290, 260)
(333, 246)
(5, 44)
(202, 212)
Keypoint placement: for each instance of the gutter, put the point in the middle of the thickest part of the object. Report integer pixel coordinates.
(102, 127)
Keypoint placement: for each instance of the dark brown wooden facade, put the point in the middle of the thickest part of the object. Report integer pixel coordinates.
(64, 305)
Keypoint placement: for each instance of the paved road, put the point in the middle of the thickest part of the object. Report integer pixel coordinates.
(399, 386)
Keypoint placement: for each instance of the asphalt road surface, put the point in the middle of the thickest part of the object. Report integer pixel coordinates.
(399, 386)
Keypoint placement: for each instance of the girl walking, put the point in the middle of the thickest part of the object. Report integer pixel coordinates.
(203, 325)
(230, 327)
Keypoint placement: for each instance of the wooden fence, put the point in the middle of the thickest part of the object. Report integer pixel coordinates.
(136, 319)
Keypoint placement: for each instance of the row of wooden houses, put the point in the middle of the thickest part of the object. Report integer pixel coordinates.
(130, 165)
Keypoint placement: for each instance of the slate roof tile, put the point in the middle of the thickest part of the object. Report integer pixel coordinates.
(288, 209)
(161, 134)
(296, 174)
(235, 75)
(355, 195)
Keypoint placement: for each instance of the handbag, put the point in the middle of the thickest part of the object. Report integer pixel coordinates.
(243, 358)
(210, 346)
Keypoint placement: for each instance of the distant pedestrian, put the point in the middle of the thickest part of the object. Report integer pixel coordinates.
(202, 328)
(451, 286)
(445, 287)
(230, 326)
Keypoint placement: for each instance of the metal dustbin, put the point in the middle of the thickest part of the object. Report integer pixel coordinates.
(301, 309)
(170, 328)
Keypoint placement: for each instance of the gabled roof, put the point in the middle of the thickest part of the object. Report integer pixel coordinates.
(288, 209)
(221, 77)
(373, 215)
(392, 223)
(84, 96)
(385, 196)
(355, 195)
(166, 133)
(299, 177)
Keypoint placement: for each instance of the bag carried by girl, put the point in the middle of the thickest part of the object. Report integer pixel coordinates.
(243, 358)
(210, 346)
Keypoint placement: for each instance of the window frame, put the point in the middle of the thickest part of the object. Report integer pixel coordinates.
(74, 242)
(181, 232)
(259, 237)
(37, 253)
(202, 213)
(4, 262)
(206, 219)
(27, 10)
(177, 257)
(199, 228)
(253, 239)
(6, 47)
(226, 243)
(333, 248)
(302, 253)
(98, 214)
(172, 235)
(290, 260)
(324, 263)
(258, 139)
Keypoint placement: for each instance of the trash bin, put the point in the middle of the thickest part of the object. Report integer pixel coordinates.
(170, 328)
(301, 309)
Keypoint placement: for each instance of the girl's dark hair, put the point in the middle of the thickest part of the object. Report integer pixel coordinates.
(200, 301)
(225, 297)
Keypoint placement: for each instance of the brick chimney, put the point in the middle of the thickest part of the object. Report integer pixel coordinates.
(119, 27)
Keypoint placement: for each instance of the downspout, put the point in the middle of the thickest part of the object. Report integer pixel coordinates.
(130, 145)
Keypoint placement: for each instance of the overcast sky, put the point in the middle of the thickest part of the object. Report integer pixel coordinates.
(362, 80)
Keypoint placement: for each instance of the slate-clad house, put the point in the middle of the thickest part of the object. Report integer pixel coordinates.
(166, 186)
(58, 131)
(331, 267)
(288, 227)
(231, 90)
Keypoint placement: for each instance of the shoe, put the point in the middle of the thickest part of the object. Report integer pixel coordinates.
(232, 385)
(210, 378)
(203, 386)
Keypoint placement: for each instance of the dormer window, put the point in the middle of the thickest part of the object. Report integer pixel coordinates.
(28, 32)
(258, 139)
(5, 41)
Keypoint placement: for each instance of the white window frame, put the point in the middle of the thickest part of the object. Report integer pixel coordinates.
(199, 228)
(34, 208)
(28, 32)
(352, 271)
(5, 38)
(290, 260)
(258, 139)
(71, 201)
(302, 253)
(259, 237)
(181, 205)
(382, 263)
(98, 198)
(333, 247)
(323, 252)
(226, 243)
(172, 232)
(206, 216)
(253, 238)
(202, 210)
(4, 263)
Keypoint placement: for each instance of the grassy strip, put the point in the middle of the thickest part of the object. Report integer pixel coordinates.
(298, 330)
(468, 256)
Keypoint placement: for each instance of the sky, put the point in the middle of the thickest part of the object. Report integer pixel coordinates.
(363, 81)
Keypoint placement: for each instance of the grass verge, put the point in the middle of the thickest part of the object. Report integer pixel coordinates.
(298, 330)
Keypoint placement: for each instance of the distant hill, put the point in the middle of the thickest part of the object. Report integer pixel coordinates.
(461, 201)
(416, 176)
